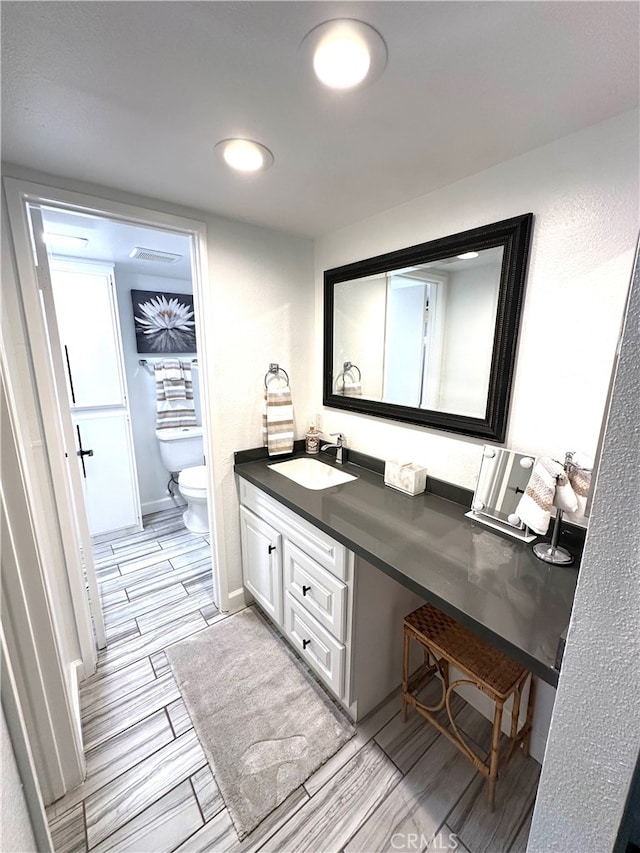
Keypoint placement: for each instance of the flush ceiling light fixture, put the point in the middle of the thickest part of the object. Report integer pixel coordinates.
(64, 241)
(244, 155)
(467, 256)
(345, 53)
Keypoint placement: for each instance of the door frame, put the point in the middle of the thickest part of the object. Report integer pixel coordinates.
(19, 193)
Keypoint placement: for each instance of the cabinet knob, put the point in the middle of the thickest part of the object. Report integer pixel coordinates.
(272, 548)
(305, 589)
(305, 643)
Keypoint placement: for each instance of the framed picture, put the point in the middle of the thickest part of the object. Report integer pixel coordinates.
(164, 322)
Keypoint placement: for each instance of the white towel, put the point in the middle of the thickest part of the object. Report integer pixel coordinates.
(277, 421)
(352, 388)
(548, 486)
(174, 394)
(579, 472)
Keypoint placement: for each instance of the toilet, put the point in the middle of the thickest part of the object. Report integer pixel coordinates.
(182, 453)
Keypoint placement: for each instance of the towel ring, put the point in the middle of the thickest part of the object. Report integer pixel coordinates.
(275, 369)
(348, 366)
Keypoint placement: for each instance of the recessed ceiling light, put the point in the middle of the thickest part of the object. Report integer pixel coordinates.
(244, 155)
(64, 241)
(467, 256)
(344, 53)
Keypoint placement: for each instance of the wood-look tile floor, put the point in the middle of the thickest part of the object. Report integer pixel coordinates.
(394, 787)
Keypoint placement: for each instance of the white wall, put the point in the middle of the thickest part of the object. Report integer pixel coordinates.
(262, 296)
(472, 300)
(152, 475)
(594, 740)
(358, 309)
(583, 191)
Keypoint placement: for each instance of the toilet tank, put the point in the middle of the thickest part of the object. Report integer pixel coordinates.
(181, 447)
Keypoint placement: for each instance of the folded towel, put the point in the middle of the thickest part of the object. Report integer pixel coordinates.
(352, 388)
(174, 394)
(579, 471)
(277, 421)
(547, 486)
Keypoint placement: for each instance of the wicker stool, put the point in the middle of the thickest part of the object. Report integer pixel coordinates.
(484, 666)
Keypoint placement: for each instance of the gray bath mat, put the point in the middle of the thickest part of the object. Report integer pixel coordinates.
(263, 722)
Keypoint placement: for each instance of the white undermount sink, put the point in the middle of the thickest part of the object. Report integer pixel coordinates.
(311, 473)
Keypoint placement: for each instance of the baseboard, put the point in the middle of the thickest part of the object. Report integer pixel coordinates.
(237, 600)
(76, 672)
(163, 503)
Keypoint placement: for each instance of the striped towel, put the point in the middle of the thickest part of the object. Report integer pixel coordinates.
(277, 421)
(548, 486)
(174, 394)
(352, 387)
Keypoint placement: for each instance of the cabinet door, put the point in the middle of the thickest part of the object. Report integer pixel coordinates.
(107, 470)
(262, 563)
(89, 337)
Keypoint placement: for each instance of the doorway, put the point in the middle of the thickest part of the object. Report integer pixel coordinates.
(57, 207)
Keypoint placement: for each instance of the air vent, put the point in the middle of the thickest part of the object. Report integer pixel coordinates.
(152, 255)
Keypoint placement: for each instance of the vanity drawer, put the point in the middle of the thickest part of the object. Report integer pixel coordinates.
(317, 590)
(313, 541)
(316, 646)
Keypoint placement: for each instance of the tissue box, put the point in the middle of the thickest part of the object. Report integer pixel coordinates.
(407, 477)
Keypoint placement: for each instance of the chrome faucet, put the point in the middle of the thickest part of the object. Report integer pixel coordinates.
(339, 445)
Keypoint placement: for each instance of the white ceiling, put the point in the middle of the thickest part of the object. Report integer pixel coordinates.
(135, 95)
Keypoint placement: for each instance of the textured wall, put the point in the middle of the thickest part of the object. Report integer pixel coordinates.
(583, 191)
(16, 834)
(595, 730)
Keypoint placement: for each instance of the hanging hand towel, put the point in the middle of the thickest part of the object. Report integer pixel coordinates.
(174, 394)
(277, 421)
(548, 485)
(352, 387)
(579, 471)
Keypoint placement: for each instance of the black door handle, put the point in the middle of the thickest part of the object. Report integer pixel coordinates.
(82, 452)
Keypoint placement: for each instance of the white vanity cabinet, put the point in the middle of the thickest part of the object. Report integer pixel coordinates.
(341, 615)
(262, 563)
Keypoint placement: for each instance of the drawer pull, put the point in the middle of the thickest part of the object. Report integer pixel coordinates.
(305, 643)
(272, 548)
(305, 589)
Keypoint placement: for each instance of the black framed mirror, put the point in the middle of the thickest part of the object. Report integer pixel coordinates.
(428, 334)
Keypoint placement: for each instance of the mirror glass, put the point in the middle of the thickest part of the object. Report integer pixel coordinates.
(503, 477)
(420, 336)
(428, 334)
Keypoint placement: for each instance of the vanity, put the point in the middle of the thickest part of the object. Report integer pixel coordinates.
(337, 569)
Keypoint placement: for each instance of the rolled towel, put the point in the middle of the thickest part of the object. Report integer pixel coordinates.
(534, 507)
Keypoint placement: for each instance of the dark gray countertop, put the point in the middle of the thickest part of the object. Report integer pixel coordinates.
(489, 582)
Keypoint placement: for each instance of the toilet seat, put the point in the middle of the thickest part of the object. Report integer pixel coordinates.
(192, 483)
(193, 479)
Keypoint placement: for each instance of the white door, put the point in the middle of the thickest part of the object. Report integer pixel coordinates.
(87, 318)
(60, 433)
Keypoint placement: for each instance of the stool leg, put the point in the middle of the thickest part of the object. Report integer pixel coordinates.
(495, 744)
(405, 673)
(515, 712)
(526, 743)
